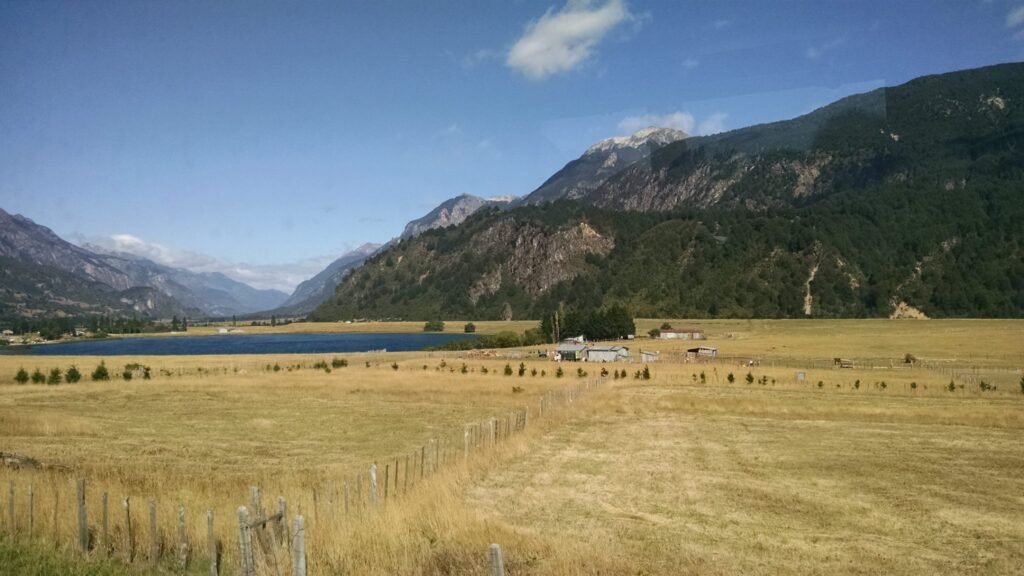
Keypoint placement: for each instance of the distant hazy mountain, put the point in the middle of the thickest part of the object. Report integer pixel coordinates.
(600, 162)
(213, 293)
(42, 275)
(311, 293)
(453, 212)
(78, 280)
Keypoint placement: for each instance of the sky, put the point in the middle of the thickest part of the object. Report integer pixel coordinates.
(264, 139)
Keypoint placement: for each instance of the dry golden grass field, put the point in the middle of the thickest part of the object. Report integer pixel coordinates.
(876, 469)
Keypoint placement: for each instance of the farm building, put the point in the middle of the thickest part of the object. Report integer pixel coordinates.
(607, 353)
(682, 334)
(702, 352)
(648, 356)
(570, 352)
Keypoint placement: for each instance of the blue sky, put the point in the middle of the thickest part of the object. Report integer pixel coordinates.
(266, 138)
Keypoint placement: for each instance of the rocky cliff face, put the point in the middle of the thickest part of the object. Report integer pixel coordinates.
(510, 262)
(311, 293)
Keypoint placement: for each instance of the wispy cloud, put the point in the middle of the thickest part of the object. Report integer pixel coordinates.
(282, 277)
(713, 124)
(721, 24)
(690, 63)
(479, 57)
(560, 41)
(678, 120)
(1015, 17)
(815, 52)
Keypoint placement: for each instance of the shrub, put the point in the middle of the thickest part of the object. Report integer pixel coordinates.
(277, 367)
(21, 377)
(647, 374)
(394, 365)
(883, 385)
(339, 363)
(666, 326)
(508, 370)
(543, 373)
(533, 372)
(54, 378)
(703, 378)
(469, 328)
(559, 373)
(985, 386)
(100, 373)
(913, 385)
(654, 333)
(522, 369)
(730, 378)
(951, 387)
(604, 371)
(750, 378)
(464, 369)
(127, 375)
(484, 370)
(580, 373)
(856, 385)
(72, 375)
(821, 384)
(615, 374)
(38, 377)
(434, 326)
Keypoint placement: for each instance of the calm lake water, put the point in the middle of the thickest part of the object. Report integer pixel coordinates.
(242, 344)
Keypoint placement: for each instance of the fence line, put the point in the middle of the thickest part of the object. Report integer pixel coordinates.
(263, 537)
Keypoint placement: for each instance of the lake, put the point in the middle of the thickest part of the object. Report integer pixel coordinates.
(241, 344)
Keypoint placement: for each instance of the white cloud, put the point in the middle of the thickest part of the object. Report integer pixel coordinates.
(560, 41)
(284, 277)
(1015, 17)
(679, 120)
(690, 63)
(713, 124)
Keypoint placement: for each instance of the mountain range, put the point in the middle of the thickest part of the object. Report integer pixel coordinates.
(903, 199)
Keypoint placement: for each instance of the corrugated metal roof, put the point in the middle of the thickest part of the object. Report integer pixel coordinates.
(571, 347)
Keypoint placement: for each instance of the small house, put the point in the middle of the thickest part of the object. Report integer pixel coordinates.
(570, 352)
(681, 334)
(648, 356)
(702, 352)
(607, 353)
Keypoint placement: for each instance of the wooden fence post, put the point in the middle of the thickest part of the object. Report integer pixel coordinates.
(256, 495)
(282, 522)
(130, 548)
(346, 497)
(299, 548)
(31, 511)
(211, 545)
(497, 564)
(387, 480)
(406, 487)
(245, 542)
(83, 523)
(183, 548)
(10, 509)
(106, 526)
(396, 476)
(373, 484)
(154, 536)
(423, 459)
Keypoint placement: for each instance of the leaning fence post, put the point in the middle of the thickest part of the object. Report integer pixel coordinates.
(154, 537)
(299, 548)
(106, 526)
(83, 523)
(497, 564)
(211, 544)
(130, 549)
(245, 542)
(183, 548)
